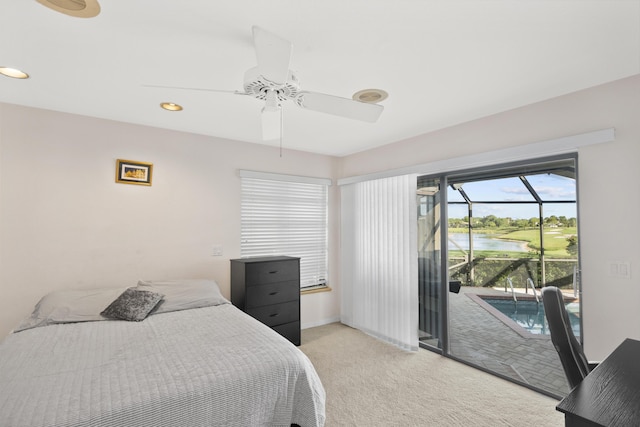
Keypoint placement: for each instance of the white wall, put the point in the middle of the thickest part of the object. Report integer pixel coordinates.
(609, 199)
(65, 223)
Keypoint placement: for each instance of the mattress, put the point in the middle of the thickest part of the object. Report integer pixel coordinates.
(210, 366)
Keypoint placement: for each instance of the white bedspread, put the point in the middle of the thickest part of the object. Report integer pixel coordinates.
(212, 366)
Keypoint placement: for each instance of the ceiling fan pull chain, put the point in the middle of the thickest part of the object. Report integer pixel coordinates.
(281, 127)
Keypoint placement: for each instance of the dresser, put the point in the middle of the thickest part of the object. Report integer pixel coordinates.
(268, 289)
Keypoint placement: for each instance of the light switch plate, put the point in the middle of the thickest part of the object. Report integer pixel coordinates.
(216, 250)
(619, 269)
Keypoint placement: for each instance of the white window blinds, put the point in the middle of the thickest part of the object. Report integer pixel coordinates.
(286, 215)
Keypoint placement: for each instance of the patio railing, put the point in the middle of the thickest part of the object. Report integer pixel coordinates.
(490, 272)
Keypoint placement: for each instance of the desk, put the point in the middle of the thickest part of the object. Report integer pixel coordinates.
(610, 394)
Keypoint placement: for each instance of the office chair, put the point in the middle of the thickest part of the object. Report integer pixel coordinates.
(574, 361)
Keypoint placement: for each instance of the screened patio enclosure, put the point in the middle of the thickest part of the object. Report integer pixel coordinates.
(541, 199)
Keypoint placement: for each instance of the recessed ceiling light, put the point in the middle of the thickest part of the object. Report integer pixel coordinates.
(13, 72)
(170, 106)
(77, 8)
(370, 96)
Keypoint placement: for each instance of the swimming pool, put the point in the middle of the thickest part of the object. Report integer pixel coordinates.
(529, 314)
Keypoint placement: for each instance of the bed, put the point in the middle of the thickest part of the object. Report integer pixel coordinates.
(193, 360)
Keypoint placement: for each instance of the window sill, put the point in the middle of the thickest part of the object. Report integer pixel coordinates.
(315, 290)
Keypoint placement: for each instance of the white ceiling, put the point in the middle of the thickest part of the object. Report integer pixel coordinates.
(442, 62)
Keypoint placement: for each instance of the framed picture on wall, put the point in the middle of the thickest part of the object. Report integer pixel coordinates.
(133, 172)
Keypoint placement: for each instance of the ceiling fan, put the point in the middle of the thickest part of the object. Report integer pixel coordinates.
(272, 82)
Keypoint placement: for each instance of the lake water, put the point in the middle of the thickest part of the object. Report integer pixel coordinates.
(481, 242)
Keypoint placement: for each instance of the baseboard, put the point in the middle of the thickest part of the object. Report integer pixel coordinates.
(319, 323)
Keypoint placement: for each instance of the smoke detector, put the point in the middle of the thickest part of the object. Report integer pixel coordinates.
(370, 96)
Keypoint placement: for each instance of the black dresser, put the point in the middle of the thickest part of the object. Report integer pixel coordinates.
(268, 289)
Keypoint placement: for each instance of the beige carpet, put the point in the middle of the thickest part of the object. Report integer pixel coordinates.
(371, 383)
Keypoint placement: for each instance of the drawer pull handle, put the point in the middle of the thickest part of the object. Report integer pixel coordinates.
(273, 272)
(274, 314)
(273, 293)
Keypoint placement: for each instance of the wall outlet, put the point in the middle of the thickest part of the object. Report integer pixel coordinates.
(216, 250)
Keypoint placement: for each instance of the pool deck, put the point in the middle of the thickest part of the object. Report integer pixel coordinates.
(483, 339)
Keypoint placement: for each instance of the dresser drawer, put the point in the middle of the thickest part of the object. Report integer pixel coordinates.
(272, 293)
(277, 314)
(271, 272)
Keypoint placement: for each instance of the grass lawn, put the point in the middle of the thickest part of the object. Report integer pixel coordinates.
(555, 239)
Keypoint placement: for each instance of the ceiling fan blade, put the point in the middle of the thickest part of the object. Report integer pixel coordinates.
(196, 88)
(273, 54)
(271, 123)
(343, 107)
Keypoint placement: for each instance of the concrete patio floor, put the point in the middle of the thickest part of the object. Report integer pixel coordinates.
(481, 338)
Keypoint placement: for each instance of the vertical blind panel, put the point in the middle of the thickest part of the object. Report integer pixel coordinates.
(380, 261)
(286, 218)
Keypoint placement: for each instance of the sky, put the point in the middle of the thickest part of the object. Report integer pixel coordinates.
(549, 187)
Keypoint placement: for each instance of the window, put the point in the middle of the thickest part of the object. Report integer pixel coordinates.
(286, 215)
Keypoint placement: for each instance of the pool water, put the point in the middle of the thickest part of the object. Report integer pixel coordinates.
(530, 314)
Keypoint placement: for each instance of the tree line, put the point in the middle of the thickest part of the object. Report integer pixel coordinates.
(492, 221)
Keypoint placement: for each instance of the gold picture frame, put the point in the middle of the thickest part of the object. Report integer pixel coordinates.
(133, 172)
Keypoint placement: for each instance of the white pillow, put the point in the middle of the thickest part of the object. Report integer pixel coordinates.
(184, 294)
(68, 306)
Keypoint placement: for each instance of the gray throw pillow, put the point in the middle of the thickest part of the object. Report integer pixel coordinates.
(133, 305)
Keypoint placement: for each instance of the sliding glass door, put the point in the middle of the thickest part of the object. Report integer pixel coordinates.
(489, 240)
(429, 262)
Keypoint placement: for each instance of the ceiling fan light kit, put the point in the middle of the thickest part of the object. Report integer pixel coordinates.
(75, 8)
(271, 81)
